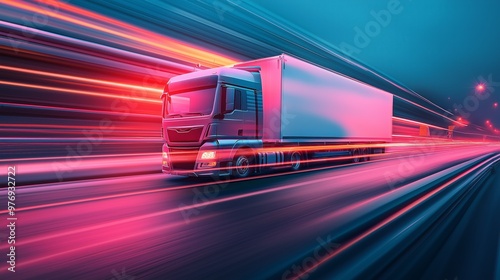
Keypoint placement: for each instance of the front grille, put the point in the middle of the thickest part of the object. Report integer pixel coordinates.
(184, 134)
(183, 159)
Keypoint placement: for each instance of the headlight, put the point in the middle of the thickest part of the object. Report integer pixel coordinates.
(208, 155)
(164, 156)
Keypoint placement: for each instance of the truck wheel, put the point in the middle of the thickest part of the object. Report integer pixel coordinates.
(296, 161)
(356, 153)
(242, 165)
(368, 152)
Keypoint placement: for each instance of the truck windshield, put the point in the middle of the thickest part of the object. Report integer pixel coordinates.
(190, 102)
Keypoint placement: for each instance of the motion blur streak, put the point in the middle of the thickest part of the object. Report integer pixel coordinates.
(82, 79)
(160, 43)
(234, 224)
(391, 218)
(427, 109)
(170, 189)
(406, 121)
(76, 91)
(124, 238)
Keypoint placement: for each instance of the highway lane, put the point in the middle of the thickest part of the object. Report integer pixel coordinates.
(404, 244)
(156, 226)
(472, 244)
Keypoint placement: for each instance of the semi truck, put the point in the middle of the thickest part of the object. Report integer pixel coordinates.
(242, 119)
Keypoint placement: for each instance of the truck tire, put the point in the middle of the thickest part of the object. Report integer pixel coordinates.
(242, 164)
(296, 161)
(356, 153)
(368, 152)
(359, 153)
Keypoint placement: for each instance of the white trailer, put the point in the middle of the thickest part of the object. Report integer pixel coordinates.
(305, 102)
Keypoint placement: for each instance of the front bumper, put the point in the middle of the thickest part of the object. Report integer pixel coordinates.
(188, 161)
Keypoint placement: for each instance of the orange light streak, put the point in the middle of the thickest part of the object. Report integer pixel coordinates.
(181, 50)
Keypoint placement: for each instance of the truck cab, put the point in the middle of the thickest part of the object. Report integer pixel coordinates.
(207, 117)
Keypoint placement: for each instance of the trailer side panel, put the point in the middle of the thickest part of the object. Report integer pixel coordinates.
(318, 104)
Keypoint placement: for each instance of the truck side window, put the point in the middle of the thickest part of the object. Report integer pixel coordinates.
(240, 99)
(250, 100)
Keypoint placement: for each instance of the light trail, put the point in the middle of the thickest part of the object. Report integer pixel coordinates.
(78, 110)
(81, 79)
(101, 243)
(397, 155)
(78, 91)
(180, 50)
(431, 111)
(82, 157)
(170, 211)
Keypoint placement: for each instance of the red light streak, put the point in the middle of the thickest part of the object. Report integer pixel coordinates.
(77, 91)
(74, 110)
(80, 79)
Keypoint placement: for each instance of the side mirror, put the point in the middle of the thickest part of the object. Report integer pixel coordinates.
(229, 104)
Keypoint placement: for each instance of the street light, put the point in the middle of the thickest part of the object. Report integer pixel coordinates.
(480, 87)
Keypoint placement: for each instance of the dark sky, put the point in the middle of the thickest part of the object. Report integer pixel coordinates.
(439, 49)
